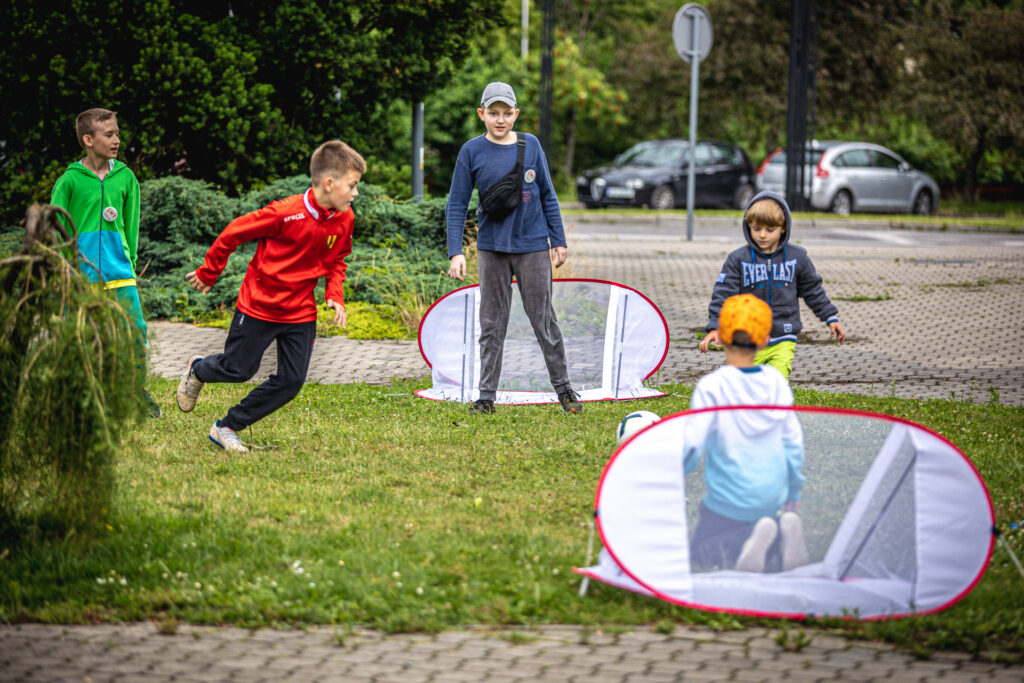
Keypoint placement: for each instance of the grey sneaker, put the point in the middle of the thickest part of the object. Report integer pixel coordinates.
(755, 550)
(794, 548)
(189, 387)
(227, 438)
(482, 406)
(570, 401)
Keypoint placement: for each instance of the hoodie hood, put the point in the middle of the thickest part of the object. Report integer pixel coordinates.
(781, 201)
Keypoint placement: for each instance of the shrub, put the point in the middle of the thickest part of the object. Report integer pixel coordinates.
(180, 220)
(69, 384)
(397, 262)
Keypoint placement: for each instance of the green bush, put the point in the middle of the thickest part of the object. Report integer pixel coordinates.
(397, 261)
(71, 381)
(279, 189)
(180, 220)
(385, 222)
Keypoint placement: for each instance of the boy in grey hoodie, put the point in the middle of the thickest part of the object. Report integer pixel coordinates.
(778, 273)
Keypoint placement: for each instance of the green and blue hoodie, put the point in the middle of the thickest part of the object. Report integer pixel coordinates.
(106, 216)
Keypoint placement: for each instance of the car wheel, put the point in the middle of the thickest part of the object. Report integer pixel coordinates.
(592, 205)
(923, 203)
(663, 197)
(742, 197)
(842, 203)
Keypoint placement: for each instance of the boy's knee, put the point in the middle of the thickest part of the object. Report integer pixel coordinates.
(290, 387)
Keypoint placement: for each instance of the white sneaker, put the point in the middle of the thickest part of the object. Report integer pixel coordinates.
(755, 550)
(227, 438)
(794, 548)
(189, 387)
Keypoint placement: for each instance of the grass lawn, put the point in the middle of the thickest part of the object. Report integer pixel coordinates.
(372, 507)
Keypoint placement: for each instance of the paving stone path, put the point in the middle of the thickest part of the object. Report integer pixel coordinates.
(139, 653)
(935, 322)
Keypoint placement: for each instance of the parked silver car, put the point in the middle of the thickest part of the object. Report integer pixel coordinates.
(844, 177)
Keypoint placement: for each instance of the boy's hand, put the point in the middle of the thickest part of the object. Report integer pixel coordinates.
(711, 338)
(558, 256)
(340, 314)
(837, 332)
(457, 267)
(198, 284)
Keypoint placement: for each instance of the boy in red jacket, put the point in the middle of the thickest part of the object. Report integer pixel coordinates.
(300, 239)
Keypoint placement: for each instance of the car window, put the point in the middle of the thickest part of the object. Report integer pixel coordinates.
(811, 158)
(883, 160)
(653, 154)
(855, 158)
(703, 157)
(724, 154)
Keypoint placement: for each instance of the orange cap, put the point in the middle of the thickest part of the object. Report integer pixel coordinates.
(747, 313)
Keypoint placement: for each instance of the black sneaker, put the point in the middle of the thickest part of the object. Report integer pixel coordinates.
(570, 401)
(482, 406)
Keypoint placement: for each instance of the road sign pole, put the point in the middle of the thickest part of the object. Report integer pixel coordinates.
(694, 77)
(692, 35)
(417, 152)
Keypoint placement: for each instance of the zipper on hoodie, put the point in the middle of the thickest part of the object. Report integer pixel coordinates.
(769, 280)
(99, 251)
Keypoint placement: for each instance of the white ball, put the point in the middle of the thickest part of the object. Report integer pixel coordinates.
(634, 422)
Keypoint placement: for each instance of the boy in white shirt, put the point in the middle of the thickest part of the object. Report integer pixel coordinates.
(754, 457)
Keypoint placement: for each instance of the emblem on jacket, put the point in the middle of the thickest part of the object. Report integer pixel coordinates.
(529, 175)
(331, 239)
(110, 214)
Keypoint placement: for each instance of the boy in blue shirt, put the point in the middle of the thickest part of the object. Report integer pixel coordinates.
(754, 467)
(514, 245)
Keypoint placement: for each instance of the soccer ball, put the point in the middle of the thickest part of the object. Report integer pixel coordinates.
(634, 422)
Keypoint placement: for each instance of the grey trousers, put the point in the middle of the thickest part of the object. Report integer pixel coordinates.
(532, 272)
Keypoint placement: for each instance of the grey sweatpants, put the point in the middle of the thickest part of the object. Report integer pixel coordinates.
(532, 272)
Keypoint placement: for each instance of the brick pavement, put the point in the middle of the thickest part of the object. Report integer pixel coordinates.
(140, 653)
(924, 322)
(935, 322)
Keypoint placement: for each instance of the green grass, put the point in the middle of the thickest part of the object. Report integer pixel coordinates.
(368, 506)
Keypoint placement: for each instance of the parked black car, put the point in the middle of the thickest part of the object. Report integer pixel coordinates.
(653, 174)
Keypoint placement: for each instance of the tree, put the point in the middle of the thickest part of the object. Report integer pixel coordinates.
(233, 93)
(965, 77)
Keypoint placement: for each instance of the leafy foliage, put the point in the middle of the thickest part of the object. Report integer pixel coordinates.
(396, 263)
(227, 94)
(70, 383)
(969, 54)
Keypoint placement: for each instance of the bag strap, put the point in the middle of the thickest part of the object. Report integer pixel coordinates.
(520, 150)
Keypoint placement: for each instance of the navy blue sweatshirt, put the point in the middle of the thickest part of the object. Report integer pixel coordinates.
(780, 279)
(535, 225)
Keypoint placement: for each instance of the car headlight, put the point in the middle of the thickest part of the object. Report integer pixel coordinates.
(580, 180)
(634, 183)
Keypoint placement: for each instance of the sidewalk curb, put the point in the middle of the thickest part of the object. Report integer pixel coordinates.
(665, 218)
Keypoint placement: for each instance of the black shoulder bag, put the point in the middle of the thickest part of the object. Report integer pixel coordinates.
(504, 196)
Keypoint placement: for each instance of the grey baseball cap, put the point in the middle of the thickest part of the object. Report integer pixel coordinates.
(498, 92)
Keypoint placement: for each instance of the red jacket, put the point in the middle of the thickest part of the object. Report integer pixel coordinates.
(299, 242)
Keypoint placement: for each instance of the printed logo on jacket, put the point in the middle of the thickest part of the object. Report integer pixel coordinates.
(756, 273)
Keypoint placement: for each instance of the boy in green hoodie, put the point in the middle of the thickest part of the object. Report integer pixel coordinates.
(101, 194)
